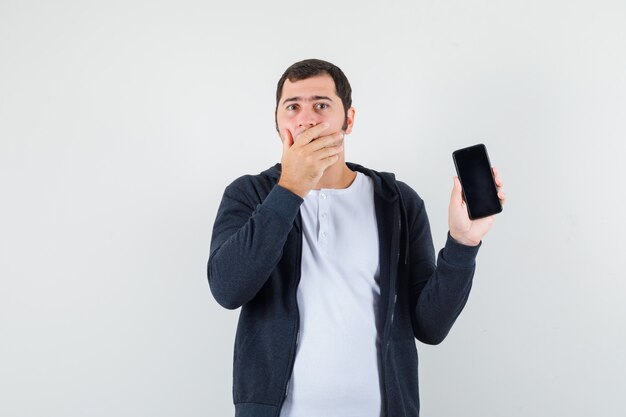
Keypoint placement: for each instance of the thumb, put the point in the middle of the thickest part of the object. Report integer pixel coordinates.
(456, 199)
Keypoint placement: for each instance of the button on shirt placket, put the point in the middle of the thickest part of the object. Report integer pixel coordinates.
(323, 220)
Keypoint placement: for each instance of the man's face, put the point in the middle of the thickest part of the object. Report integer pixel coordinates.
(306, 103)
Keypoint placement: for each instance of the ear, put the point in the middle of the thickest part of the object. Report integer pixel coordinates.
(350, 120)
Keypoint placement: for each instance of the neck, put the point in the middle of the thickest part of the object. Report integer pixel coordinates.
(337, 176)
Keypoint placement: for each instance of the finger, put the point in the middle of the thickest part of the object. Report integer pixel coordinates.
(496, 176)
(326, 162)
(334, 139)
(287, 140)
(456, 199)
(310, 134)
(329, 151)
(502, 197)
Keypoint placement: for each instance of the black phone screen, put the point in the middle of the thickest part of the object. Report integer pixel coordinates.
(479, 188)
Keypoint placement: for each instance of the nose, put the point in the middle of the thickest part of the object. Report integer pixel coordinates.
(307, 118)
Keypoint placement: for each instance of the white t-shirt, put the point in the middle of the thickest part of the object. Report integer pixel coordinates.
(336, 369)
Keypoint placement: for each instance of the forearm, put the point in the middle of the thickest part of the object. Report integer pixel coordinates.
(445, 293)
(245, 249)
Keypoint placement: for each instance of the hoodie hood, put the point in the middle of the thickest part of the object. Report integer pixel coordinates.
(384, 182)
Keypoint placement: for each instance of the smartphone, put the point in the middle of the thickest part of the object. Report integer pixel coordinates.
(479, 187)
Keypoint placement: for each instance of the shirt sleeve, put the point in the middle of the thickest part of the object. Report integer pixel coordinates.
(247, 240)
(439, 288)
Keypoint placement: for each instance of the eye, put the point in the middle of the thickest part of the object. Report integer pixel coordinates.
(321, 106)
(291, 107)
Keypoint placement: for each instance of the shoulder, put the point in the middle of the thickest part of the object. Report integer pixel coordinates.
(251, 188)
(409, 195)
(246, 181)
(412, 203)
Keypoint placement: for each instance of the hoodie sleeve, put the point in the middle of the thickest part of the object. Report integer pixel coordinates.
(439, 290)
(248, 239)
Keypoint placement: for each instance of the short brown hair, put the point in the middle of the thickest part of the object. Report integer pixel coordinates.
(310, 68)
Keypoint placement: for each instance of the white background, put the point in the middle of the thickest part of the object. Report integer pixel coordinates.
(121, 122)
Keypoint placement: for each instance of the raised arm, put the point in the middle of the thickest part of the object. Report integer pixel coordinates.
(248, 239)
(439, 291)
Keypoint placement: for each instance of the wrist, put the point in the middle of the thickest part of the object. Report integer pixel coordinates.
(464, 240)
(296, 190)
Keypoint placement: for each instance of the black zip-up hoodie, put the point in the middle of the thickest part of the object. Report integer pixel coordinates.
(254, 263)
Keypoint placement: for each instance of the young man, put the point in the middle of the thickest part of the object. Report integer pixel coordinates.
(333, 267)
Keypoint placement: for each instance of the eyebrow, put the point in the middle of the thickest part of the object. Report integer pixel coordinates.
(312, 98)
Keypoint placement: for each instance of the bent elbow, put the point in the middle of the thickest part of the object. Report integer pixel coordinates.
(223, 293)
(432, 336)
(226, 299)
(227, 303)
(430, 339)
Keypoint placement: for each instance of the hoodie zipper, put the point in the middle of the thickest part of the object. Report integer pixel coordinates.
(297, 338)
(392, 306)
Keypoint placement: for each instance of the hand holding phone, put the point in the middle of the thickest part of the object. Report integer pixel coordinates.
(480, 192)
(476, 196)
